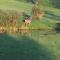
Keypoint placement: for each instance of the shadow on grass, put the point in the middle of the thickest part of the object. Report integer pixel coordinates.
(51, 15)
(24, 49)
(56, 3)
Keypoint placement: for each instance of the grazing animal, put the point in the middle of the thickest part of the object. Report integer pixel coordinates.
(27, 21)
(37, 14)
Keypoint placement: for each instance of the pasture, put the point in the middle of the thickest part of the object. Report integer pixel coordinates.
(39, 40)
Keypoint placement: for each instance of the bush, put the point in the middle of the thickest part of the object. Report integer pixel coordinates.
(25, 15)
(57, 28)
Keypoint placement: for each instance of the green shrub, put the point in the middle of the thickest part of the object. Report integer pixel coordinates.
(57, 28)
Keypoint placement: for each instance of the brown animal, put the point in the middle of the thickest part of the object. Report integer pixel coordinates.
(37, 14)
(28, 21)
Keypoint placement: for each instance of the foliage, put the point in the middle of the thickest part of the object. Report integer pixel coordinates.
(57, 28)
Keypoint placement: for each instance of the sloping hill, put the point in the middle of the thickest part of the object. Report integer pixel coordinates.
(37, 45)
(50, 13)
(14, 5)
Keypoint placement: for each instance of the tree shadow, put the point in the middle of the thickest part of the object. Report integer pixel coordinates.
(23, 49)
(51, 15)
(55, 3)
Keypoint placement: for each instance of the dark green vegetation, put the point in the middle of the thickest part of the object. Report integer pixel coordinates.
(36, 44)
(56, 3)
(29, 47)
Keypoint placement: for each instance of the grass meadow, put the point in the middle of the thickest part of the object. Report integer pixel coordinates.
(41, 42)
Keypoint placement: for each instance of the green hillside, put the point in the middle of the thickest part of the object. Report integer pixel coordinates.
(43, 44)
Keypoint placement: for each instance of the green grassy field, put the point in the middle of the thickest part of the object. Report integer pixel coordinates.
(37, 45)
